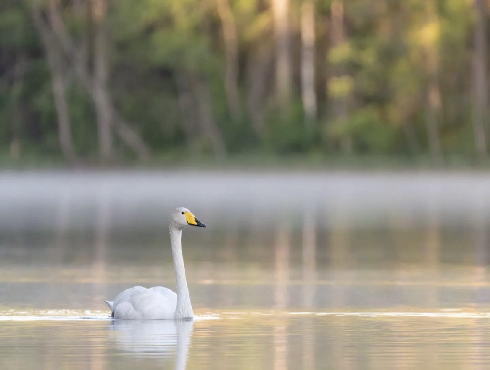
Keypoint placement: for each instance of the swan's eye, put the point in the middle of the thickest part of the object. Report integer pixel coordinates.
(183, 212)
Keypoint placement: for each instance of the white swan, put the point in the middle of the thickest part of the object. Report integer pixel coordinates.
(159, 303)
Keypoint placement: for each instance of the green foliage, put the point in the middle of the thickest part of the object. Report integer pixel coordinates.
(378, 75)
(366, 129)
(287, 132)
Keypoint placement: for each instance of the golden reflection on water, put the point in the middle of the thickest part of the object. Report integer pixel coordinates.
(309, 276)
(252, 340)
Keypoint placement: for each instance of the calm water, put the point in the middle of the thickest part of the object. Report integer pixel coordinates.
(295, 270)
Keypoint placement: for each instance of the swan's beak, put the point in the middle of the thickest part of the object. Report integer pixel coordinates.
(199, 223)
(192, 220)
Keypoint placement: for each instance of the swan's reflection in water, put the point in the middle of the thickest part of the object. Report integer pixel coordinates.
(154, 338)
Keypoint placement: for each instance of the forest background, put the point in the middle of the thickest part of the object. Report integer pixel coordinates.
(170, 81)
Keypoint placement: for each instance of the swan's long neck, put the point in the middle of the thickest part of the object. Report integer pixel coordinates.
(183, 310)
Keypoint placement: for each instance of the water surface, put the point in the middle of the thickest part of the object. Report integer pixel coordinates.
(295, 270)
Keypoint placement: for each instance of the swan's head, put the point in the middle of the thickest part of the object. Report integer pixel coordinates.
(182, 217)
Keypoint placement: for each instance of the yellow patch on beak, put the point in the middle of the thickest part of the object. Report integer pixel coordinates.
(190, 218)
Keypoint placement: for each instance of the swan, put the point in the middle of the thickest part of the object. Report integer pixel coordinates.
(159, 303)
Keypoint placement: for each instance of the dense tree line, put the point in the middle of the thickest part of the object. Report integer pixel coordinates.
(104, 80)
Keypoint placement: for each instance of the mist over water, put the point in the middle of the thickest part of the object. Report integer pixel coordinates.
(296, 270)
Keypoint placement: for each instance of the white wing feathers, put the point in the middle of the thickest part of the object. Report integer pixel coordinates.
(139, 303)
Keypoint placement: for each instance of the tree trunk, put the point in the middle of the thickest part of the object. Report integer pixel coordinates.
(206, 119)
(338, 105)
(77, 57)
(281, 35)
(187, 106)
(258, 70)
(16, 91)
(83, 13)
(433, 98)
(432, 109)
(231, 47)
(130, 137)
(55, 63)
(411, 137)
(480, 79)
(308, 62)
(103, 107)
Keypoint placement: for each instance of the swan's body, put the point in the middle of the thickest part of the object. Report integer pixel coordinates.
(159, 303)
(139, 303)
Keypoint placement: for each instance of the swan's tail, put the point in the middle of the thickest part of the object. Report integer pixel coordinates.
(110, 304)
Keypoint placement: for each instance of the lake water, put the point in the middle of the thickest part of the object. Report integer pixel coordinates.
(296, 270)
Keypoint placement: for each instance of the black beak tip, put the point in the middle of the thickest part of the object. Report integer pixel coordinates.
(199, 223)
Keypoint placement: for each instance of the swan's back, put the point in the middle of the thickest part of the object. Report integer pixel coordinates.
(139, 303)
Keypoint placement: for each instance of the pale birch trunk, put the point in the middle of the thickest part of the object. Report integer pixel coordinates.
(16, 91)
(282, 49)
(78, 58)
(258, 70)
(480, 78)
(130, 137)
(308, 62)
(231, 46)
(187, 105)
(206, 120)
(83, 10)
(56, 67)
(338, 105)
(433, 98)
(101, 97)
